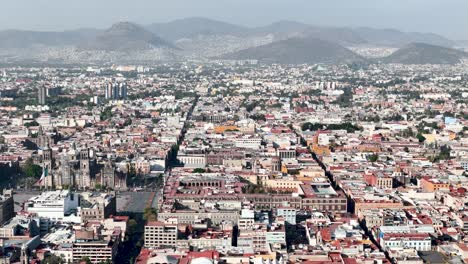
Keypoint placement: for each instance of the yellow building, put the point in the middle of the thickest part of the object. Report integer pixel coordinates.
(312, 172)
(430, 138)
(321, 150)
(282, 184)
(222, 129)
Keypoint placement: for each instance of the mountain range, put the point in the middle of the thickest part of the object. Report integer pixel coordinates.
(201, 38)
(193, 27)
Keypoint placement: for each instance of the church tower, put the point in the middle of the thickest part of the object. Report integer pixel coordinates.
(84, 180)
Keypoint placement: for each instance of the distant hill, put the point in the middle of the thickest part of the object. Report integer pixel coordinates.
(126, 36)
(353, 36)
(290, 29)
(280, 29)
(193, 27)
(463, 44)
(421, 53)
(396, 38)
(201, 38)
(342, 36)
(298, 51)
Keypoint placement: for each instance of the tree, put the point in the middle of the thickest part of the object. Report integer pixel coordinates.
(420, 137)
(32, 170)
(53, 259)
(258, 117)
(198, 170)
(350, 128)
(395, 117)
(373, 158)
(31, 124)
(251, 106)
(150, 214)
(127, 122)
(346, 98)
(132, 227)
(159, 180)
(407, 132)
(444, 153)
(106, 113)
(86, 260)
(131, 170)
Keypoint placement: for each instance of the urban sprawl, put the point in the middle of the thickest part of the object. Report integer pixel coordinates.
(234, 162)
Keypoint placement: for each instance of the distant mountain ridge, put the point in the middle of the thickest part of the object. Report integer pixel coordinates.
(396, 38)
(192, 27)
(203, 38)
(126, 36)
(422, 53)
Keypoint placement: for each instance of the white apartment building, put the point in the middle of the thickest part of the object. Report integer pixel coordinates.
(55, 205)
(288, 213)
(159, 234)
(420, 242)
(248, 142)
(246, 220)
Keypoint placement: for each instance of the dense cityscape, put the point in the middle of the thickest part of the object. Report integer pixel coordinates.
(227, 162)
(245, 132)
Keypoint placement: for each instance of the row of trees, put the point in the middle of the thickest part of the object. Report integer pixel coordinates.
(106, 113)
(350, 128)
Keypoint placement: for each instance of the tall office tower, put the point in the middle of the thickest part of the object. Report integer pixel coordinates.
(41, 95)
(109, 91)
(123, 91)
(115, 91)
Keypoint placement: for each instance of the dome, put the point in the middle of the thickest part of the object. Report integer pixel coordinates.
(202, 260)
(162, 259)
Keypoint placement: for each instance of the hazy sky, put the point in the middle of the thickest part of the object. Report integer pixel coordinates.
(446, 17)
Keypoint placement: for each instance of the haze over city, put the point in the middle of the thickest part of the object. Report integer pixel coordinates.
(446, 17)
(234, 132)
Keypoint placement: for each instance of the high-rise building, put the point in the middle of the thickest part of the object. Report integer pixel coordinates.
(109, 91)
(123, 91)
(6, 206)
(54, 91)
(116, 91)
(41, 95)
